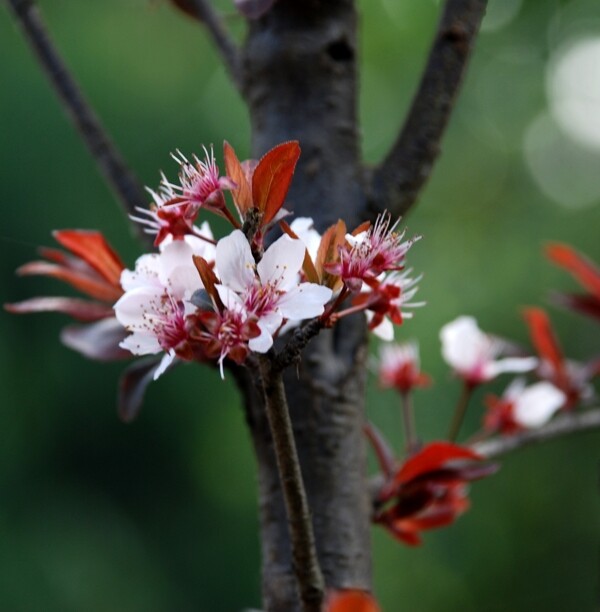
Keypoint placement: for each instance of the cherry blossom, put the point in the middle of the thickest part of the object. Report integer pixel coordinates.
(386, 300)
(399, 367)
(473, 354)
(156, 303)
(176, 205)
(371, 252)
(522, 407)
(270, 290)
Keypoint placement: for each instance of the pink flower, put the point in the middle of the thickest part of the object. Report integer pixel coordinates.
(399, 367)
(371, 252)
(269, 291)
(522, 407)
(385, 299)
(176, 206)
(472, 354)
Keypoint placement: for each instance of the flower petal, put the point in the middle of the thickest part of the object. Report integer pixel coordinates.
(235, 263)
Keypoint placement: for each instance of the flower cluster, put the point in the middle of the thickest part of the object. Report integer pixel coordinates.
(199, 299)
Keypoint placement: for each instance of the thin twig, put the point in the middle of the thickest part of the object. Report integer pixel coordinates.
(561, 426)
(397, 182)
(408, 422)
(460, 411)
(290, 353)
(107, 157)
(304, 552)
(221, 39)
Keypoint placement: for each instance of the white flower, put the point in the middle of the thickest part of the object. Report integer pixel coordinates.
(155, 304)
(472, 353)
(535, 405)
(270, 290)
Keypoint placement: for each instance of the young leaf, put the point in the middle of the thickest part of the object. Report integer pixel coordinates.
(433, 457)
(242, 194)
(272, 178)
(92, 248)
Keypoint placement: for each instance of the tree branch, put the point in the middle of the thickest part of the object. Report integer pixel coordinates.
(107, 157)
(396, 183)
(304, 553)
(225, 45)
(561, 426)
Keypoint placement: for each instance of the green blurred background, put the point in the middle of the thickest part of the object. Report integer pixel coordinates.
(161, 515)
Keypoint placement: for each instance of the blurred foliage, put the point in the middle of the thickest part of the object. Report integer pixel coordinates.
(161, 514)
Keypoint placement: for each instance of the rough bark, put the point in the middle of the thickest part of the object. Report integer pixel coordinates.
(301, 55)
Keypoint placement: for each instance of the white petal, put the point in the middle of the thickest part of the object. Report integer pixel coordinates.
(303, 227)
(145, 273)
(141, 343)
(235, 263)
(230, 299)
(463, 343)
(305, 301)
(537, 404)
(262, 343)
(385, 330)
(282, 262)
(165, 362)
(133, 305)
(509, 364)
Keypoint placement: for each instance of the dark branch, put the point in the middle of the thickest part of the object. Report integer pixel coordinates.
(395, 185)
(220, 37)
(304, 553)
(107, 157)
(290, 353)
(561, 426)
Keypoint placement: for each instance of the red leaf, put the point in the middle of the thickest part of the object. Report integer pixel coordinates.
(351, 600)
(86, 281)
(272, 178)
(82, 310)
(242, 194)
(432, 457)
(545, 341)
(579, 266)
(92, 248)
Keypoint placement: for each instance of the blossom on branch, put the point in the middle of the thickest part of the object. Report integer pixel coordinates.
(269, 291)
(522, 407)
(473, 354)
(156, 304)
(385, 300)
(399, 367)
(370, 252)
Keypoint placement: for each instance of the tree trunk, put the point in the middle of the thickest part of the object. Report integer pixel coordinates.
(299, 80)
